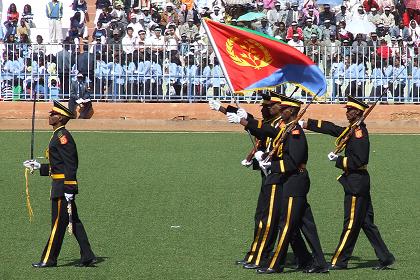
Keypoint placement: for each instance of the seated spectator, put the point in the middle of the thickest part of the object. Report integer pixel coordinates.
(388, 18)
(313, 49)
(400, 30)
(293, 15)
(343, 15)
(399, 76)
(128, 42)
(38, 48)
(310, 29)
(100, 6)
(294, 29)
(105, 17)
(310, 15)
(415, 72)
(414, 32)
(79, 90)
(359, 46)
(374, 17)
(369, 4)
(189, 28)
(280, 31)
(297, 43)
(28, 16)
(169, 16)
(327, 29)
(327, 14)
(265, 28)
(276, 15)
(171, 39)
(23, 28)
(384, 52)
(217, 15)
(343, 34)
(12, 20)
(135, 24)
(99, 32)
(77, 23)
(184, 45)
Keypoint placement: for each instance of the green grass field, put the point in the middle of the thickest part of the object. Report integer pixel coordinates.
(180, 206)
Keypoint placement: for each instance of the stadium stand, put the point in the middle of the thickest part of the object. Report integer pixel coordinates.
(157, 51)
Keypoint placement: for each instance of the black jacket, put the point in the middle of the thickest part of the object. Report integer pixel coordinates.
(63, 163)
(355, 178)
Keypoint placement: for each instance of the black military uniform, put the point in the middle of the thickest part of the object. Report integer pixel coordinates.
(358, 209)
(263, 246)
(62, 168)
(290, 181)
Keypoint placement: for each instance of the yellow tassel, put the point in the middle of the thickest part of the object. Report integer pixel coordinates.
(28, 197)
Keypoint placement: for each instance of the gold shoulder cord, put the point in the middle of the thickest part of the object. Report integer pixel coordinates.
(337, 141)
(28, 196)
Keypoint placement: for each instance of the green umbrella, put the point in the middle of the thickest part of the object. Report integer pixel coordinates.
(251, 16)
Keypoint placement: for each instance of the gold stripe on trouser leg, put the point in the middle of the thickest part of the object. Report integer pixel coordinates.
(254, 244)
(50, 242)
(337, 254)
(284, 232)
(267, 227)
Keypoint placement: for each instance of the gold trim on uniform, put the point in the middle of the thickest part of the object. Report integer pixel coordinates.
(50, 242)
(289, 103)
(70, 182)
(345, 163)
(58, 176)
(259, 124)
(355, 105)
(282, 169)
(255, 243)
(267, 228)
(353, 206)
(284, 232)
(319, 124)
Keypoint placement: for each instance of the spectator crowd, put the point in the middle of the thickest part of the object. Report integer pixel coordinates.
(139, 48)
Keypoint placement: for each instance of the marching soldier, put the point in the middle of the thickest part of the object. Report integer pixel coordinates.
(288, 181)
(62, 168)
(264, 238)
(358, 209)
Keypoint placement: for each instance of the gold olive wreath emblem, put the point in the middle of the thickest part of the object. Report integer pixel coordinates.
(253, 53)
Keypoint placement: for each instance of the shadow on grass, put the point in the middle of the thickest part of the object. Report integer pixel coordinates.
(74, 262)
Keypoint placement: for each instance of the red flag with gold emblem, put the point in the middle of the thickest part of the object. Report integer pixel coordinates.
(252, 60)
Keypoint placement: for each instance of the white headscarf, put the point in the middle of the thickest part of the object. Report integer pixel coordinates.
(414, 32)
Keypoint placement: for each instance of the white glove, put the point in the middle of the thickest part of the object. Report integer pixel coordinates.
(258, 155)
(69, 196)
(233, 118)
(242, 113)
(32, 164)
(264, 165)
(246, 163)
(332, 156)
(214, 104)
(80, 100)
(301, 122)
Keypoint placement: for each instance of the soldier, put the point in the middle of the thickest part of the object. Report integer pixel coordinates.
(358, 209)
(288, 181)
(262, 246)
(62, 168)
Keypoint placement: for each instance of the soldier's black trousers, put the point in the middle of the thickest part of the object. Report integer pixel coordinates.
(374, 237)
(355, 209)
(266, 229)
(358, 214)
(291, 213)
(59, 222)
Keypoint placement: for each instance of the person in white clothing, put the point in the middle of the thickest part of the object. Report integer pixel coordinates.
(296, 43)
(128, 42)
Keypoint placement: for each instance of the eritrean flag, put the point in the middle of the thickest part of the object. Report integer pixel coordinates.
(252, 60)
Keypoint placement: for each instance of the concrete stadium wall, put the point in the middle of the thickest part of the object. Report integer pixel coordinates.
(195, 117)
